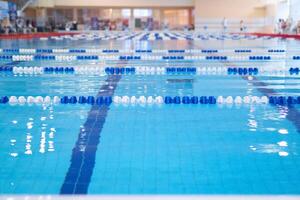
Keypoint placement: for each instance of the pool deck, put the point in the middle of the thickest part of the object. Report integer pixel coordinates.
(33, 35)
(51, 34)
(275, 35)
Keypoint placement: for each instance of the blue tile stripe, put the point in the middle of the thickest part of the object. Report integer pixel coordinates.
(293, 115)
(83, 157)
(14, 63)
(8, 67)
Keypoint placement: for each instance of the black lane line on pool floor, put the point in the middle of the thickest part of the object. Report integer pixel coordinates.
(83, 158)
(293, 115)
(12, 63)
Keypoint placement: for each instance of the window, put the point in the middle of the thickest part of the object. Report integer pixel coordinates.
(138, 13)
(126, 13)
(63, 15)
(176, 18)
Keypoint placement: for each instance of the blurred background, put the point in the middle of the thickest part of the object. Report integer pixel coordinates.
(269, 16)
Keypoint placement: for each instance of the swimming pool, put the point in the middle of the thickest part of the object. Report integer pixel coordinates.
(173, 145)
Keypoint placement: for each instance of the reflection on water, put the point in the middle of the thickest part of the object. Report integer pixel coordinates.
(183, 86)
(46, 135)
(268, 117)
(283, 131)
(280, 148)
(28, 150)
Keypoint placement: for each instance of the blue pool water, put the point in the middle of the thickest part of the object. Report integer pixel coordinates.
(151, 149)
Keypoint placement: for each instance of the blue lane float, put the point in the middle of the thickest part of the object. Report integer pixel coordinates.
(194, 100)
(44, 57)
(129, 57)
(92, 57)
(190, 100)
(181, 70)
(11, 50)
(209, 51)
(83, 100)
(243, 51)
(242, 71)
(260, 58)
(207, 100)
(216, 57)
(173, 57)
(44, 50)
(6, 68)
(90, 100)
(294, 71)
(104, 100)
(203, 100)
(59, 70)
(5, 57)
(4, 100)
(110, 51)
(276, 50)
(77, 51)
(68, 100)
(296, 57)
(168, 100)
(172, 100)
(283, 100)
(143, 51)
(176, 51)
(119, 70)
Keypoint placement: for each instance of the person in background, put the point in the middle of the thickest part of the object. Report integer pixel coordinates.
(48, 27)
(298, 28)
(283, 26)
(119, 24)
(7, 26)
(69, 26)
(112, 25)
(74, 26)
(191, 27)
(33, 23)
(185, 28)
(289, 24)
(278, 26)
(224, 24)
(242, 26)
(205, 27)
(29, 26)
(20, 25)
(1, 27)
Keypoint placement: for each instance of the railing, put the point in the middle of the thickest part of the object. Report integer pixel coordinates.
(25, 4)
(233, 25)
(22, 4)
